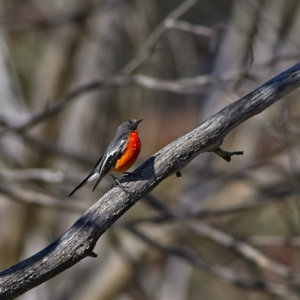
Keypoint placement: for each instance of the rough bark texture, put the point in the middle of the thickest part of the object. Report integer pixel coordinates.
(79, 241)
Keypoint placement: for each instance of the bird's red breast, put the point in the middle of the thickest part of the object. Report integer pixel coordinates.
(132, 151)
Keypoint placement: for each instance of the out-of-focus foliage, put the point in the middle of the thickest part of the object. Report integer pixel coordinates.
(50, 48)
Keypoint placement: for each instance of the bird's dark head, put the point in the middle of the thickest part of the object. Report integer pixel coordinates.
(129, 125)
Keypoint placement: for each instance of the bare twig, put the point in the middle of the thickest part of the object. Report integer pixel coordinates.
(184, 85)
(192, 28)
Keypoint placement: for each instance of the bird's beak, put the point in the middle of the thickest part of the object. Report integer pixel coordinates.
(139, 121)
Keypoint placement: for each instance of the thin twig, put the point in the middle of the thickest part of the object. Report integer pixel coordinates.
(192, 28)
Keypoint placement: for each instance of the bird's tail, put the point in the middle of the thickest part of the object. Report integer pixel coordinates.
(93, 176)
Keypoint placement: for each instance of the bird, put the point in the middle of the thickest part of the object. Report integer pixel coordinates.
(119, 156)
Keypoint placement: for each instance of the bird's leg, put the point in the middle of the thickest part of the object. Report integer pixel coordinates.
(226, 154)
(118, 183)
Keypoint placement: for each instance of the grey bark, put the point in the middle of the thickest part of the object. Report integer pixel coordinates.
(79, 241)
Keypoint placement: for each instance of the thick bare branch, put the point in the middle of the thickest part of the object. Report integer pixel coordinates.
(79, 241)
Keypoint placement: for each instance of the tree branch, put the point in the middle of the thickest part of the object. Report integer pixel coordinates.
(80, 240)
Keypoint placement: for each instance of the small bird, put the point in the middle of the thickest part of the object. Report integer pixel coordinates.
(119, 156)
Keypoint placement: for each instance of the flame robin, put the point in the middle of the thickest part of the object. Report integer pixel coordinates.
(119, 156)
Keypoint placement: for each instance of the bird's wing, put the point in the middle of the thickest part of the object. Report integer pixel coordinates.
(110, 157)
(105, 163)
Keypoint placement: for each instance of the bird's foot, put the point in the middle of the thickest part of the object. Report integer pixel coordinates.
(118, 184)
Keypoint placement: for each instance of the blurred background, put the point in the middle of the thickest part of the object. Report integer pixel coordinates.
(72, 70)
